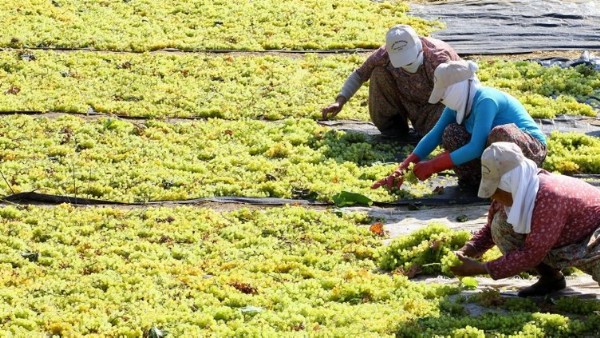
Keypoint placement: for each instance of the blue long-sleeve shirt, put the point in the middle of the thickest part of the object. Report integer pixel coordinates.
(490, 108)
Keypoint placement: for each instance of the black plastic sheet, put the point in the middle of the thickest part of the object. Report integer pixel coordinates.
(570, 123)
(515, 26)
(451, 196)
(586, 58)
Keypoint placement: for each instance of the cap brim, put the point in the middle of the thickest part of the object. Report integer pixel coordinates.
(436, 95)
(405, 57)
(487, 187)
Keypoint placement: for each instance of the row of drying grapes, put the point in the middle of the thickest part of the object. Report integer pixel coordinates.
(191, 25)
(242, 86)
(194, 272)
(545, 91)
(573, 153)
(118, 160)
(189, 271)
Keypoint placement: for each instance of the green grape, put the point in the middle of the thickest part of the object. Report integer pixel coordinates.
(409, 175)
(577, 306)
(112, 271)
(429, 250)
(254, 25)
(237, 87)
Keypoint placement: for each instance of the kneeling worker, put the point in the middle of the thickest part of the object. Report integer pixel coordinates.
(538, 220)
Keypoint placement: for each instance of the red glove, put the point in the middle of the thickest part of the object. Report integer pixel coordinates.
(412, 158)
(396, 178)
(424, 170)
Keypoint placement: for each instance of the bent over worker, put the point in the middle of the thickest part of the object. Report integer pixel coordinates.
(475, 116)
(538, 220)
(401, 80)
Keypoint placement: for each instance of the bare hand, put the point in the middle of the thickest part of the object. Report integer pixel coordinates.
(332, 110)
(469, 251)
(469, 267)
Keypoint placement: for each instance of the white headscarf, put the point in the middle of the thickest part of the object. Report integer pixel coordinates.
(414, 66)
(456, 97)
(523, 183)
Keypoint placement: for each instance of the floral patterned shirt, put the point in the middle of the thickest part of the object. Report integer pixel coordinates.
(566, 211)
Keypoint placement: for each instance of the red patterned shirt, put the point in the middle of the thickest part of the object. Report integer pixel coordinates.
(566, 211)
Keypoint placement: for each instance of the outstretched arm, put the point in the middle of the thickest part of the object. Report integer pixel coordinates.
(469, 267)
(350, 87)
(476, 247)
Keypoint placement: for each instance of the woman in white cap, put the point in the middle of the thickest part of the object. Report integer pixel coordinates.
(475, 116)
(401, 80)
(538, 220)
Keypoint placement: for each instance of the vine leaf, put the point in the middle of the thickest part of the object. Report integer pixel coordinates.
(155, 332)
(410, 272)
(469, 282)
(377, 228)
(346, 198)
(31, 256)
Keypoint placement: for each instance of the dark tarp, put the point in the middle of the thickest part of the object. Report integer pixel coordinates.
(449, 196)
(515, 26)
(586, 58)
(448, 193)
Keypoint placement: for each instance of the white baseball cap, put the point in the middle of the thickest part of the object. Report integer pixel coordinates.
(496, 160)
(403, 45)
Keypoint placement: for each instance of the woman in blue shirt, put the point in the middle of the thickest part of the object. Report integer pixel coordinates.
(475, 117)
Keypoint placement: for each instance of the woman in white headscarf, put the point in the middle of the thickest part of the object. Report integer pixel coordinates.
(538, 220)
(475, 116)
(400, 76)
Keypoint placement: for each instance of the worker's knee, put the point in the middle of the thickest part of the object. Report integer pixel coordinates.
(455, 136)
(503, 234)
